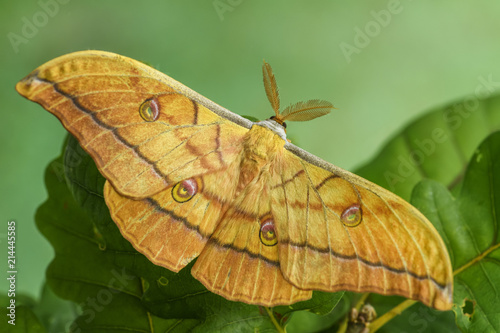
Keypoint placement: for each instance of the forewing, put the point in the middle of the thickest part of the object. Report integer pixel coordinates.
(144, 130)
(337, 231)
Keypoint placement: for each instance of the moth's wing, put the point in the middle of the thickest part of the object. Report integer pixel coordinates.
(338, 231)
(98, 97)
(237, 264)
(171, 231)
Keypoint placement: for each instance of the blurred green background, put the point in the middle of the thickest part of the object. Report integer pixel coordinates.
(382, 64)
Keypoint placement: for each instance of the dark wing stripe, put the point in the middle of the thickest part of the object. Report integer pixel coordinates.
(195, 108)
(217, 145)
(369, 231)
(364, 261)
(93, 115)
(314, 160)
(245, 251)
(408, 232)
(325, 208)
(325, 181)
(284, 182)
(181, 219)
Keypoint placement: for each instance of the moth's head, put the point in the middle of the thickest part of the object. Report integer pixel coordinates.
(300, 111)
(279, 122)
(275, 126)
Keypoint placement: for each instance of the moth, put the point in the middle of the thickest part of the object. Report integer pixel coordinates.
(267, 221)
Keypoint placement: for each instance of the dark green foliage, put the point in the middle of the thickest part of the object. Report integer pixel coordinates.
(114, 288)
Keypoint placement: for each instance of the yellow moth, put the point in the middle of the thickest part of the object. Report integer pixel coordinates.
(268, 221)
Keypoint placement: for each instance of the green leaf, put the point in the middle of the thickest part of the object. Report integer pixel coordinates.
(19, 317)
(109, 295)
(314, 321)
(417, 318)
(97, 268)
(251, 118)
(436, 146)
(90, 252)
(25, 320)
(54, 313)
(469, 226)
(50, 314)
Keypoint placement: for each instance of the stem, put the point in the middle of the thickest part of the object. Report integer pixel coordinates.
(275, 323)
(381, 321)
(343, 326)
(150, 319)
(476, 259)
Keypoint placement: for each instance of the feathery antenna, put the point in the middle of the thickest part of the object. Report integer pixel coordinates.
(300, 111)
